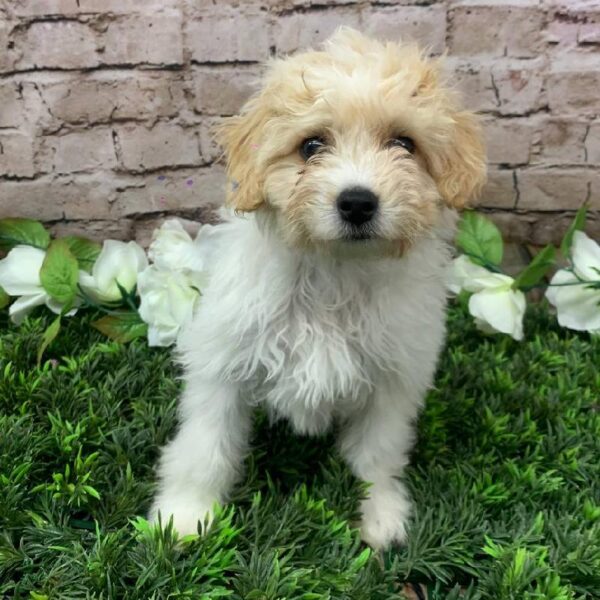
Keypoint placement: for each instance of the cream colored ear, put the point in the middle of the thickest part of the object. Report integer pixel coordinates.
(460, 170)
(238, 136)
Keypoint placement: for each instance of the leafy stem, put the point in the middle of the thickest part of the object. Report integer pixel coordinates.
(88, 301)
(485, 263)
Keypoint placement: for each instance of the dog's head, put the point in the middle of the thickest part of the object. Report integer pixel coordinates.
(356, 144)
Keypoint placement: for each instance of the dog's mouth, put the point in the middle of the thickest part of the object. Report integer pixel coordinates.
(359, 237)
(359, 234)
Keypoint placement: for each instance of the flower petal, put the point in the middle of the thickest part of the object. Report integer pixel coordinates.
(20, 271)
(160, 336)
(57, 307)
(468, 276)
(577, 306)
(167, 299)
(172, 247)
(501, 309)
(118, 262)
(586, 256)
(22, 306)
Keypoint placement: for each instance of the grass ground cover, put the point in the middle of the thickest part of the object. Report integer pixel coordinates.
(505, 479)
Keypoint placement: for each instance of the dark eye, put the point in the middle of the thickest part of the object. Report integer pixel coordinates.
(403, 142)
(311, 146)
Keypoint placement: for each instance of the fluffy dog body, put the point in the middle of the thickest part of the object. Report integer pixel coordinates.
(326, 314)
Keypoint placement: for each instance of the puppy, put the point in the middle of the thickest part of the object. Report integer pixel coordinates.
(326, 301)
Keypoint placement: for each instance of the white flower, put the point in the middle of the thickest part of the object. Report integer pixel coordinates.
(173, 248)
(494, 304)
(168, 300)
(20, 276)
(578, 305)
(119, 262)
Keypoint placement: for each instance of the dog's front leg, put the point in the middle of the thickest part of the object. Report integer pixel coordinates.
(199, 466)
(375, 442)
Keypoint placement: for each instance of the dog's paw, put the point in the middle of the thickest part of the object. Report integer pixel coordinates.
(385, 515)
(189, 515)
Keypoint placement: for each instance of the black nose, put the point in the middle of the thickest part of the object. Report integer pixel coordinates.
(357, 205)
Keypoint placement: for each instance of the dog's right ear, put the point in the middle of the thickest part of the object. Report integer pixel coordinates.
(240, 137)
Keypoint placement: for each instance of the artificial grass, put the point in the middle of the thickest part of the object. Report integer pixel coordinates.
(505, 479)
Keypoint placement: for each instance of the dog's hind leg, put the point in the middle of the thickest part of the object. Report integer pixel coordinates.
(200, 465)
(376, 442)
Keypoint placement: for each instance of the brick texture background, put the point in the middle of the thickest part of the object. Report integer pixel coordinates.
(106, 105)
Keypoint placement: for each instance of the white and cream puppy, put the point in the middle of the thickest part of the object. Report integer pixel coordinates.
(326, 301)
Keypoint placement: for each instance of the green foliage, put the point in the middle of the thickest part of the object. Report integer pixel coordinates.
(505, 479)
(4, 299)
(47, 338)
(122, 326)
(59, 273)
(85, 251)
(536, 269)
(577, 225)
(480, 239)
(23, 231)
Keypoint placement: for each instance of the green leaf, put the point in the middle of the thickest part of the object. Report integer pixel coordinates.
(85, 251)
(480, 239)
(23, 231)
(59, 272)
(122, 327)
(577, 225)
(4, 299)
(48, 337)
(536, 269)
(92, 491)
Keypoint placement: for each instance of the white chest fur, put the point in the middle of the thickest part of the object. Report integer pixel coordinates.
(310, 335)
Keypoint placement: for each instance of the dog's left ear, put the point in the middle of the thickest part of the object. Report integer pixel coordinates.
(239, 136)
(460, 168)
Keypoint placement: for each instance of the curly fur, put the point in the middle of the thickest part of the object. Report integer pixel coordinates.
(317, 328)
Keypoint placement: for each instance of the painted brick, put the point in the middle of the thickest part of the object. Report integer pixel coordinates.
(145, 39)
(592, 144)
(571, 23)
(508, 141)
(562, 141)
(294, 31)
(228, 36)
(81, 197)
(573, 85)
(550, 229)
(512, 229)
(11, 109)
(223, 91)
(499, 191)
(8, 55)
(16, 154)
(519, 86)
(89, 150)
(551, 189)
(39, 8)
(96, 229)
(58, 44)
(209, 148)
(474, 81)
(173, 190)
(423, 24)
(102, 97)
(162, 146)
(496, 29)
(589, 33)
(508, 87)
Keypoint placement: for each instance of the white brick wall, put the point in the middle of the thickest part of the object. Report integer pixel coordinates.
(106, 105)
